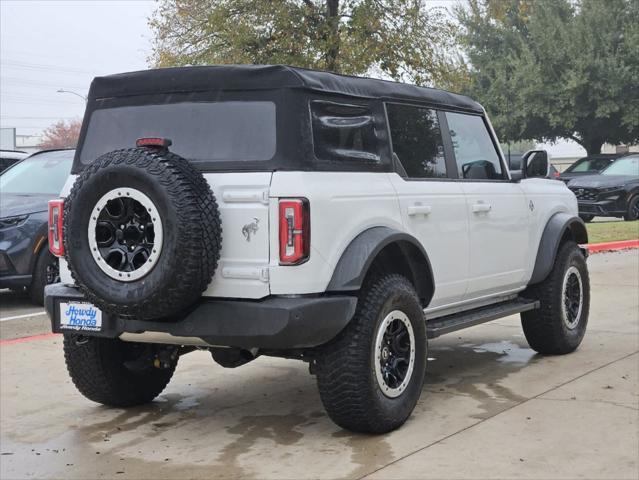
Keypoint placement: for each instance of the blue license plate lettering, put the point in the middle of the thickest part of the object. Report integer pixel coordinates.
(80, 316)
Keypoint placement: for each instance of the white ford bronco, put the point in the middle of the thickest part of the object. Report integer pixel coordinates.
(270, 210)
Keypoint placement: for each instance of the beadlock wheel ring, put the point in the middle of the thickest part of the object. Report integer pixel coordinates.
(572, 298)
(130, 234)
(390, 344)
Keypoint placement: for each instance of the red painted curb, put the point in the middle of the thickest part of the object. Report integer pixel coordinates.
(28, 339)
(608, 246)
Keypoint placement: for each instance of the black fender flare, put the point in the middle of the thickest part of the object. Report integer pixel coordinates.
(359, 255)
(559, 225)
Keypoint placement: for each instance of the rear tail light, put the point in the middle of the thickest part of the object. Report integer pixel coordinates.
(295, 231)
(56, 219)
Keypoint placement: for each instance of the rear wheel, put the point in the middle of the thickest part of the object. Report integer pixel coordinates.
(370, 377)
(633, 209)
(116, 373)
(559, 325)
(586, 218)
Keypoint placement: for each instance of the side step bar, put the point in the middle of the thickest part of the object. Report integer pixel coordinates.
(457, 321)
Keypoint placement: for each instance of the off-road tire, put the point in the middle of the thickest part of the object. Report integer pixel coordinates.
(97, 367)
(191, 224)
(345, 371)
(632, 213)
(39, 278)
(545, 328)
(586, 218)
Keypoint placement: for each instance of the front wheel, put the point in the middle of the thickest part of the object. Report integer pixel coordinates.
(586, 218)
(116, 373)
(370, 377)
(559, 325)
(633, 209)
(46, 272)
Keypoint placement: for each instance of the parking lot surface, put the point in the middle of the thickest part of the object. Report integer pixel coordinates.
(491, 408)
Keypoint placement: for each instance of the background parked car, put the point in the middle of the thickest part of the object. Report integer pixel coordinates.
(25, 190)
(9, 157)
(589, 165)
(612, 193)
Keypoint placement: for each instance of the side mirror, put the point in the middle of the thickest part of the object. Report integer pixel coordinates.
(516, 175)
(536, 164)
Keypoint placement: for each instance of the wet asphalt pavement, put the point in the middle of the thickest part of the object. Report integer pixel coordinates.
(491, 408)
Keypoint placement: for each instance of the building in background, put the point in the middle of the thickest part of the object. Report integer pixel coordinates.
(607, 148)
(28, 143)
(11, 140)
(7, 138)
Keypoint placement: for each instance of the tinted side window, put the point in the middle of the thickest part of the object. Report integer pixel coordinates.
(474, 150)
(417, 140)
(344, 132)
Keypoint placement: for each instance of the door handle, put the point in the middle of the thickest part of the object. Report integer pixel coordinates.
(419, 210)
(481, 207)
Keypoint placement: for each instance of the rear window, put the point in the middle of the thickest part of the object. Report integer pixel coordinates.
(200, 131)
(344, 132)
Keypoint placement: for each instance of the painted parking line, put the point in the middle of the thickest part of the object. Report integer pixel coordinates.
(32, 338)
(26, 315)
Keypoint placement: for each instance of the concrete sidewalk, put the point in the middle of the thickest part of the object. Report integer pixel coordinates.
(491, 408)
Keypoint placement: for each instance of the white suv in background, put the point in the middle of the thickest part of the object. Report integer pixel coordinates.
(270, 210)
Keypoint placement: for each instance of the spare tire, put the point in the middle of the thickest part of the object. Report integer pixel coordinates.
(142, 233)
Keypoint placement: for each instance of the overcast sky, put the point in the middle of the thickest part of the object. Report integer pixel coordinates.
(53, 44)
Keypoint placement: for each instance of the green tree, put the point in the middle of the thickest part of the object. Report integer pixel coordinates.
(549, 69)
(398, 39)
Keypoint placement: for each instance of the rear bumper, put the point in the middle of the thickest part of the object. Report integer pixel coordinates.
(273, 323)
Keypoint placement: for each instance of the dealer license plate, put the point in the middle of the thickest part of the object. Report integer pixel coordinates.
(80, 316)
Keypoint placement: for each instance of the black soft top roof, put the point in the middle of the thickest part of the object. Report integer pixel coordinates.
(266, 77)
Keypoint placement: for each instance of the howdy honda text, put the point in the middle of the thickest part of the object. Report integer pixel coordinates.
(80, 316)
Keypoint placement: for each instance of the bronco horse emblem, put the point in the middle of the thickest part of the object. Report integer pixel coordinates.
(250, 229)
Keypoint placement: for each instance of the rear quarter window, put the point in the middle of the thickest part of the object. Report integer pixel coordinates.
(344, 133)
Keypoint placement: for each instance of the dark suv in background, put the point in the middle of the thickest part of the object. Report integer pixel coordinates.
(612, 193)
(589, 165)
(25, 190)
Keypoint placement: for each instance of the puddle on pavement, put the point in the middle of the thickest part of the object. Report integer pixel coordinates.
(281, 429)
(368, 452)
(477, 370)
(509, 352)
